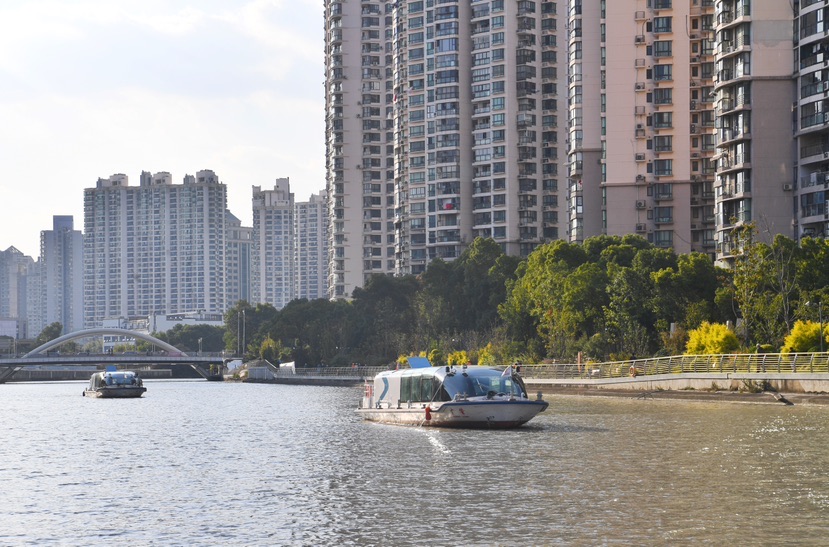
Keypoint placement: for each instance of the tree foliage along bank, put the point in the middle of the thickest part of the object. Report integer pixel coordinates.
(609, 298)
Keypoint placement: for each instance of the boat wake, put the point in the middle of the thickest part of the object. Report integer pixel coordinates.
(436, 444)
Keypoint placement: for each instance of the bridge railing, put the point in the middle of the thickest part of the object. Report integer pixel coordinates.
(791, 363)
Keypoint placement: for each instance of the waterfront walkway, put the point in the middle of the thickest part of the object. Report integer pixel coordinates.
(794, 372)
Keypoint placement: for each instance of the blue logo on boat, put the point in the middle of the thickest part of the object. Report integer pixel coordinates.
(385, 388)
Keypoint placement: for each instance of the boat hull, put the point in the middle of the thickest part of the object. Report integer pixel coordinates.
(461, 414)
(128, 392)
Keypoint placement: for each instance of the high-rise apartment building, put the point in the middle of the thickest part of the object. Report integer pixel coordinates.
(311, 247)
(756, 157)
(810, 105)
(359, 45)
(16, 271)
(239, 243)
(272, 276)
(61, 276)
(442, 126)
(667, 139)
(641, 117)
(154, 248)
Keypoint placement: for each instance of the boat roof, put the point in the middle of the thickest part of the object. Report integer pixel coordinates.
(418, 362)
(116, 373)
(440, 372)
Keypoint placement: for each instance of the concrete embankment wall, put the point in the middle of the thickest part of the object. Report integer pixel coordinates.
(787, 383)
(331, 381)
(66, 375)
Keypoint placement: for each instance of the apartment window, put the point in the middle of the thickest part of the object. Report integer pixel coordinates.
(663, 143)
(663, 96)
(663, 215)
(663, 120)
(662, 48)
(663, 72)
(663, 238)
(663, 168)
(446, 45)
(661, 24)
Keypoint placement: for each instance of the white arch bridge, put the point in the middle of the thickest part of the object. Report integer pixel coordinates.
(170, 355)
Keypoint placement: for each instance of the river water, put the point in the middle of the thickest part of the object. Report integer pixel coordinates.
(202, 463)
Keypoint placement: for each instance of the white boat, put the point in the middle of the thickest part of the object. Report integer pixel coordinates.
(466, 397)
(121, 384)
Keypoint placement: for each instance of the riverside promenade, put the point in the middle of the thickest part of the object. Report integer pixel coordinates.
(776, 372)
(789, 373)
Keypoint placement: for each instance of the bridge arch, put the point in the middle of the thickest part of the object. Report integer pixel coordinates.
(86, 333)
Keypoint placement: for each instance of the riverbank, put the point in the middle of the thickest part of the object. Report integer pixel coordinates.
(720, 396)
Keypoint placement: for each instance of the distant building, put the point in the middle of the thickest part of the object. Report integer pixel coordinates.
(61, 275)
(311, 233)
(164, 322)
(272, 277)
(239, 244)
(16, 270)
(155, 247)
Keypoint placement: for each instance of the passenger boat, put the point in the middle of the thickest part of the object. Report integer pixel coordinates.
(463, 397)
(121, 384)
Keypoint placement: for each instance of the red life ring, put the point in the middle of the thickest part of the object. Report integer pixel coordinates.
(428, 413)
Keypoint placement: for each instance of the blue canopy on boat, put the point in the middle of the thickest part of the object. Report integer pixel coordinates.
(419, 362)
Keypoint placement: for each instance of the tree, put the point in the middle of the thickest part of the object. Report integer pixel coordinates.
(627, 320)
(384, 316)
(711, 339)
(49, 333)
(186, 338)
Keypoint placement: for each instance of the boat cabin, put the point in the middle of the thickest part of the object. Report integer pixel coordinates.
(441, 384)
(123, 378)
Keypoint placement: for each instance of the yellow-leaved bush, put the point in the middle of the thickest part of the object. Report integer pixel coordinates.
(711, 338)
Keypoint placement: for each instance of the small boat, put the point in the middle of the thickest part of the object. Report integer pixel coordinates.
(121, 384)
(463, 397)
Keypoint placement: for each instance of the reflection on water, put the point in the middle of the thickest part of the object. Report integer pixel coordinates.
(212, 463)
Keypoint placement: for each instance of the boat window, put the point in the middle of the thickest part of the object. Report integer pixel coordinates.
(406, 389)
(427, 388)
(422, 389)
(479, 385)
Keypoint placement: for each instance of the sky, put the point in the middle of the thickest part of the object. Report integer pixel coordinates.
(91, 88)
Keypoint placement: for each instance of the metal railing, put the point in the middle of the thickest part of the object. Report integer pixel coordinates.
(791, 363)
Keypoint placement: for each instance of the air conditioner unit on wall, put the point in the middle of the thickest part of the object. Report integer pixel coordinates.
(640, 204)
